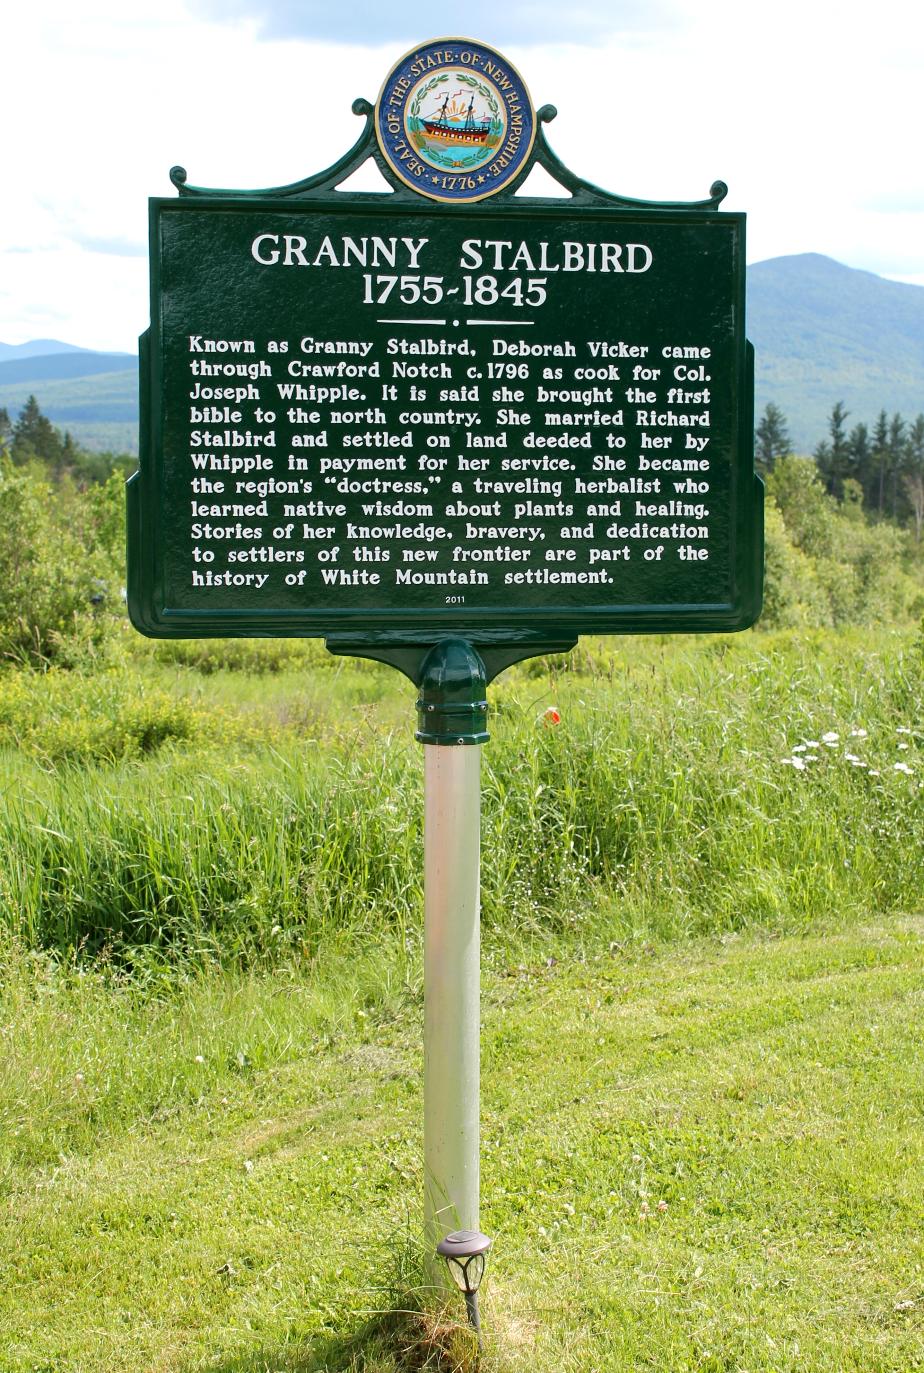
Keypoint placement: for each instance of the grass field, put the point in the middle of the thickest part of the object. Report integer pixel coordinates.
(187, 808)
(703, 915)
(704, 1156)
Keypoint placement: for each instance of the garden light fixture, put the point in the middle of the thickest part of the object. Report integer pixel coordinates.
(466, 1252)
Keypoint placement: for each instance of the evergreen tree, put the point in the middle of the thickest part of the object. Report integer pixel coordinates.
(880, 461)
(35, 437)
(70, 453)
(913, 476)
(6, 425)
(896, 461)
(861, 458)
(771, 438)
(833, 457)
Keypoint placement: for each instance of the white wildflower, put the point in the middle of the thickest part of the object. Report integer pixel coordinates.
(799, 748)
(851, 758)
(903, 745)
(812, 743)
(902, 729)
(902, 767)
(858, 734)
(830, 737)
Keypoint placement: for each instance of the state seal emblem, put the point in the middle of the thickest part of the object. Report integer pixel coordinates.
(454, 120)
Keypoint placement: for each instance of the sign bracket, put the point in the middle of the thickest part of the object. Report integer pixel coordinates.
(321, 184)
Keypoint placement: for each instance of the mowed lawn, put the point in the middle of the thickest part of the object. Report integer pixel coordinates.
(697, 1156)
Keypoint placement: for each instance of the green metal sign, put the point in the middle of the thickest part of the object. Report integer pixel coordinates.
(384, 419)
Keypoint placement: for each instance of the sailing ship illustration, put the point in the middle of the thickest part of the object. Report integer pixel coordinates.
(454, 123)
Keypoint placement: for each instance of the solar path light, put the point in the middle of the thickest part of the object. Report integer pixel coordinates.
(466, 1253)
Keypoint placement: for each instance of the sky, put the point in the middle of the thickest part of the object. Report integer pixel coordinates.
(810, 111)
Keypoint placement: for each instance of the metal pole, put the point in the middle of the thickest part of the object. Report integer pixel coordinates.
(451, 726)
(452, 824)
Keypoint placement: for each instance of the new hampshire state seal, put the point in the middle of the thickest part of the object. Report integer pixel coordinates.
(454, 120)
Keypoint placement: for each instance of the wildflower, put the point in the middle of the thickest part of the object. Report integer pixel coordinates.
(248, 1165)
(799, 748)
(857, 763)
(811, 757)
(904, 746)
(551, 716)
(902, 767)
(830, 738)
(662, 1205)
(796, 763)
(902, 729)
(812, 743)
(199, 1059)
(858, 734)
(874, 772)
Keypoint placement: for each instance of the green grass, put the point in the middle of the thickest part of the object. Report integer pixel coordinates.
(703, 966)
(699, 1156)
(182, 805)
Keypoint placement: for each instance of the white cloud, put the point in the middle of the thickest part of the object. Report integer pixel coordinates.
(809, 113)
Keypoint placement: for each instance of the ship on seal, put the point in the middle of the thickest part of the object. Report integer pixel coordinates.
(446, 125)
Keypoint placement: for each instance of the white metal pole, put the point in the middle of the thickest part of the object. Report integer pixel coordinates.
(452, 846)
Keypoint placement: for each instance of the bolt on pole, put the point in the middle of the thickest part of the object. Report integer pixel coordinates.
(451, 726)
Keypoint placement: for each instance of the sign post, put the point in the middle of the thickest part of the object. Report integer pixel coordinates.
(452, 710)
(447, 427)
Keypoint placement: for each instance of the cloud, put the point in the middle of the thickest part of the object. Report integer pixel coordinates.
(904, 202)
(117, 247)
(365, 22)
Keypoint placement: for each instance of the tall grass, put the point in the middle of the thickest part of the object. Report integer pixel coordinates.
(666, 800)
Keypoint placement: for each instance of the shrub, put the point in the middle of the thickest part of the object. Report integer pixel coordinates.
(60, 576)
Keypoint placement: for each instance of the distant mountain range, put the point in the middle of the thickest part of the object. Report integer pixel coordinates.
(822, 332)
(94, 395)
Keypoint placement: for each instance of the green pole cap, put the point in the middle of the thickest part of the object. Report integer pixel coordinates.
(452, 707)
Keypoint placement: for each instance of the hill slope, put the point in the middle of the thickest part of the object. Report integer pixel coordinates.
(825, 332)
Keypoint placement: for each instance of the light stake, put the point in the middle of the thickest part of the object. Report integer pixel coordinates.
(466, 1252)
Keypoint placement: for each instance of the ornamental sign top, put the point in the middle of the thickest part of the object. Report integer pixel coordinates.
(454, 120)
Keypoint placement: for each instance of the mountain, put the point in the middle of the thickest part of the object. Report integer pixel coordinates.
(93, 395)
(56, 366)
(823, 332)
(38, 347)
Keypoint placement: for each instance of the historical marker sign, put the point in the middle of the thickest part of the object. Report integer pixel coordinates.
(389, 418)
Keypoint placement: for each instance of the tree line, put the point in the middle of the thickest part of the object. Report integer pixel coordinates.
(33, 441)
(880, 468)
